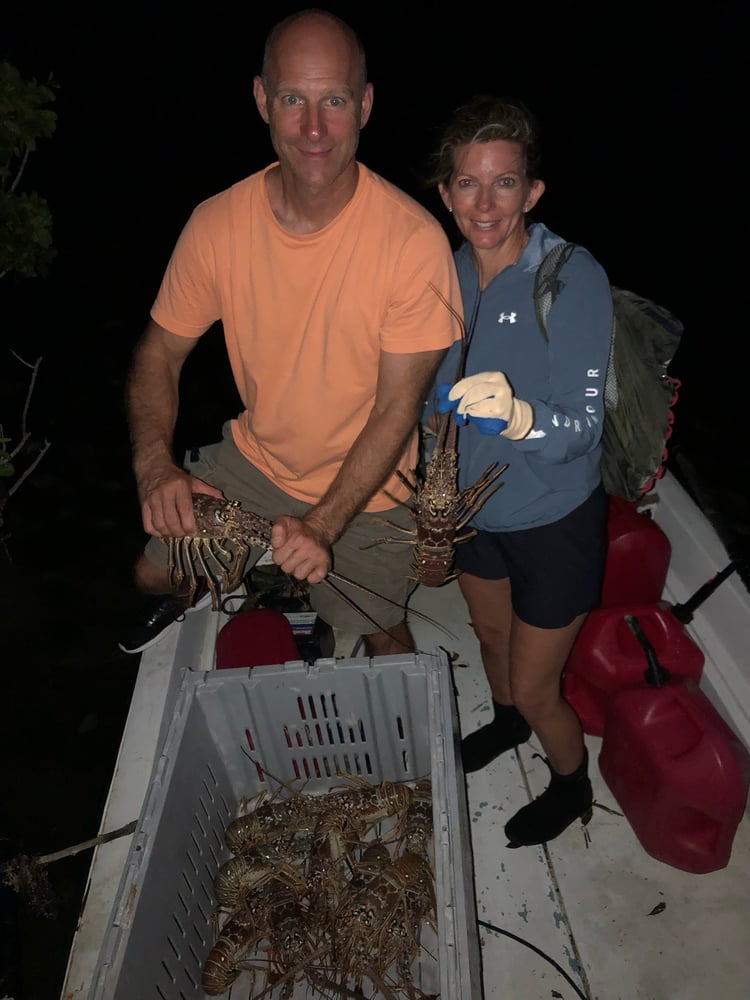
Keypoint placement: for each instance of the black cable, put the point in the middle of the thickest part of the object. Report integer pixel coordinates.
(542, 954)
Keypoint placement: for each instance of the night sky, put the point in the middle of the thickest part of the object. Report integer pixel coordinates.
(639, 114)
(642, 113)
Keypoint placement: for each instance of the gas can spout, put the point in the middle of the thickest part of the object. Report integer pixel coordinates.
(684, 612)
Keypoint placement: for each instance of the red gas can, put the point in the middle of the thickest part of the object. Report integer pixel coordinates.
(606, 656)
(638, 555)
(678, 771)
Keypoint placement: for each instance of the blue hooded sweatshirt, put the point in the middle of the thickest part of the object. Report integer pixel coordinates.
(556, 466)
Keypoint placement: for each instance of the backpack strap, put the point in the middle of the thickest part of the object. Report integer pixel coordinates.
(547, 284)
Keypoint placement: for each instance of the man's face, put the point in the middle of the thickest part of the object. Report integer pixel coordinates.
(314, 103)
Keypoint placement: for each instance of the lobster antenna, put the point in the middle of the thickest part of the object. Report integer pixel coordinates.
(288, 785)
(447, 431)
(470, 330)
(466, 332)
(361, 611)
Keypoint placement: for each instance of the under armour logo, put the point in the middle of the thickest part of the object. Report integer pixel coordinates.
(510, 317)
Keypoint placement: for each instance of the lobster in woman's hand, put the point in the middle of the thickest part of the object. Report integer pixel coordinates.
(218, 550)
(442, 511)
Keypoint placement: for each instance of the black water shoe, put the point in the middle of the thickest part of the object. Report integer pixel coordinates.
(568, 797)
(507, 730)
(161, 615)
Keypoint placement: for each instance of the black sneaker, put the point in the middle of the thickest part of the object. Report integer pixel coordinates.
(162, 615)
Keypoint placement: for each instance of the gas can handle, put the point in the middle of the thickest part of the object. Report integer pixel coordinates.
(655, 674)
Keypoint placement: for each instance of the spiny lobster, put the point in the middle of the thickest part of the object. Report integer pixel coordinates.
(218, 550)
(346, 905)
(441, 511)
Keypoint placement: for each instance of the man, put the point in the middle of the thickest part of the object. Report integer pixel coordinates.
(325, 278)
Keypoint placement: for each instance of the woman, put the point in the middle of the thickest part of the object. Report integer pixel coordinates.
(535, 567)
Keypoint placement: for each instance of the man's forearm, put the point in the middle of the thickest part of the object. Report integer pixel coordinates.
(152, 401)
(371, 460)
(403, 381)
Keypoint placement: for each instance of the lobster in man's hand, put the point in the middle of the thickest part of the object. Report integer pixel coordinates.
(219, 548)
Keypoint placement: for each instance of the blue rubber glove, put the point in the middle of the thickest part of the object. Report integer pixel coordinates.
(488, 425)
(445, 404)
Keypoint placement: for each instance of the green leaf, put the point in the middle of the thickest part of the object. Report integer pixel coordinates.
(25, 220)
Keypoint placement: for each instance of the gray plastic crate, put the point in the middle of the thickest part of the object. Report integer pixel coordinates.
(386, 718)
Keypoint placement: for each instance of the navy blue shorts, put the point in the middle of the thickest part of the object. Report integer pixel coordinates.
(556, 571)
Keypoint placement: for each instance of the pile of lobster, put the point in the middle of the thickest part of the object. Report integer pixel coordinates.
(331, 889)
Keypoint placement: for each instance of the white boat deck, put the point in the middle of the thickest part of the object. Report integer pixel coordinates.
(591, 915)
(598, 909)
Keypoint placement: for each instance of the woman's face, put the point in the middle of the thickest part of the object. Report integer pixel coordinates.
(489, 193)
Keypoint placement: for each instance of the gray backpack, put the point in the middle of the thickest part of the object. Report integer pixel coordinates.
(639, 394)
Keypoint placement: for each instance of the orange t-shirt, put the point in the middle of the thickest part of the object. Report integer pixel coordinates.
(306, 316)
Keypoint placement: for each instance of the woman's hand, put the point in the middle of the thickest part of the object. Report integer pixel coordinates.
(487, 400)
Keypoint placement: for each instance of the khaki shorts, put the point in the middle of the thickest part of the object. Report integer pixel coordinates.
(385, 569)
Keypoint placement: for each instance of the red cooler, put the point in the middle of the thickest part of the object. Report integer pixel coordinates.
(254, 638)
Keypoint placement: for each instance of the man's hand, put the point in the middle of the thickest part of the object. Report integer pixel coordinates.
(167, 502)
(487, 400)
(300, 550)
